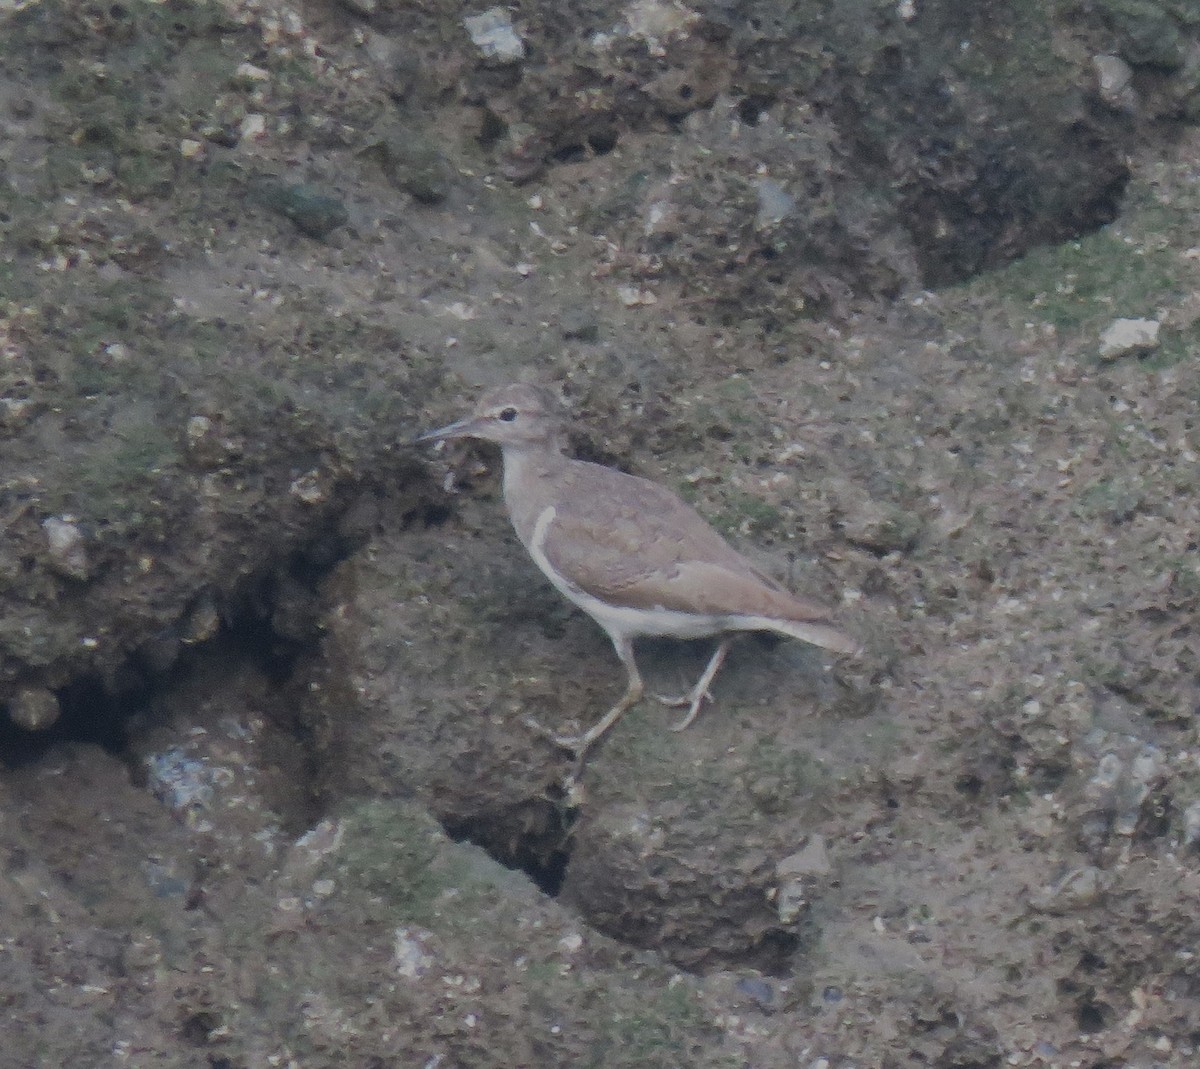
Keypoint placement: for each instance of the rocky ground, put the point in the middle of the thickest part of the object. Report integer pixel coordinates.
(903, 299)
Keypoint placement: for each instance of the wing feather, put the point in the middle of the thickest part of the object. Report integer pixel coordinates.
(655, 551)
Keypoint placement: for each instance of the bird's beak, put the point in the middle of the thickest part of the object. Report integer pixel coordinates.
(463, 428)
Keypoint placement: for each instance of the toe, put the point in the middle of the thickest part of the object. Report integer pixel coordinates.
(573, 743)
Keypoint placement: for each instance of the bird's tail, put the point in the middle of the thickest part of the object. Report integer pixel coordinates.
(826, 636)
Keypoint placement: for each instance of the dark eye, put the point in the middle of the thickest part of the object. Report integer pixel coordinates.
(508, 414)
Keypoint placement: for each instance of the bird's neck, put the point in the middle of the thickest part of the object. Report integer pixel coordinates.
(530, 474)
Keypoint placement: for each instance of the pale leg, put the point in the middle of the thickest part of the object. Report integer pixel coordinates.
(634, 690)
(694, 698)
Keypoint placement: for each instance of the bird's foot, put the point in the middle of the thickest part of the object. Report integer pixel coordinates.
(574, 744)
(694, 699)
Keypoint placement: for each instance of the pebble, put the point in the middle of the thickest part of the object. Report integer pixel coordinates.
(796, 874)
(1078, 889)
(571, 943)
(1191, 825)
(654, 21)
(812, 860)
(252, 73)
(634, 297)
(410, 955)
(201, 441)
(775, 204)
(198, 428)
(883, 528)
(182, 782)
(207, 444)
(34, 708)
(252, 127)
(757, 989)
(1114, 79)
(495, 36)
(1125, 336)
(68, 555)
(308, 488)
(201, 621)
(15, 412)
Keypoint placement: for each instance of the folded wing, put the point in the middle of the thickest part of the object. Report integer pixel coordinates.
(657, 552)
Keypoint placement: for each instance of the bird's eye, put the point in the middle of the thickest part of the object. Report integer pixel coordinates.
(508, 414)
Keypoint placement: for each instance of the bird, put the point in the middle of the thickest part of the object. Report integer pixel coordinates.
(629, 552)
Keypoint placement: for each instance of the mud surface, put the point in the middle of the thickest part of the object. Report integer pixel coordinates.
(848, 278)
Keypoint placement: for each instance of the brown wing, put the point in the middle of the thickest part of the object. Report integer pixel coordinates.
(655, 551)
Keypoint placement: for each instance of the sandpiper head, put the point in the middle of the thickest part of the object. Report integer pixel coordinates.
(516, 415)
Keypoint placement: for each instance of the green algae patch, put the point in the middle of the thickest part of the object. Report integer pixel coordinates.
(390, 942)
(397, 855)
